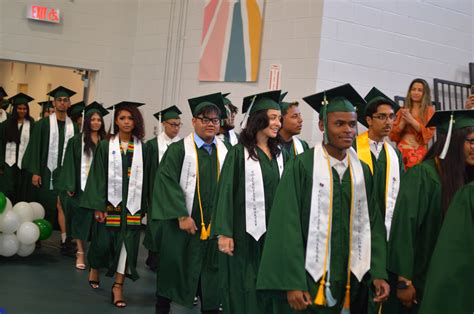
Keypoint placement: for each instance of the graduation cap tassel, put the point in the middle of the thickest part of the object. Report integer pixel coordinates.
(112, 124)
(160, 123)
(320, 299)
(203, 232)
(448, 138)
(347, 301)
(243, 125)
(325, 119)
(330, 300)
(83, 118)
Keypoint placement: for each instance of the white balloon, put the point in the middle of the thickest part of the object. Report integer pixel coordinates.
(24, 210)
(8, 207)
(28, 233)
(38, 210)
(10, 222)
(26, 249)
(1, 244)
(10, 245)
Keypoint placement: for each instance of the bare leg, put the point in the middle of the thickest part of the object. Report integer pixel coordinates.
(94, 279)
(61, 217)
(117, 291)
(80, 259)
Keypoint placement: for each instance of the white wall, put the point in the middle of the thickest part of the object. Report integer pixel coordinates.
(97, 35)
(389, 43)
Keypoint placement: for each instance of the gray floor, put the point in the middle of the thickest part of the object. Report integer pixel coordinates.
(46, 282)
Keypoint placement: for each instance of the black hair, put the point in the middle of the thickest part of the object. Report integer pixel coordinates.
(12, 133)
(139, 128)
(453, 170)
(87, 130)
(374, 105)
(207, 110)
(248, 137)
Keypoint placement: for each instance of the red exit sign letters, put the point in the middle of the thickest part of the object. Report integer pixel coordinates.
(42, 13)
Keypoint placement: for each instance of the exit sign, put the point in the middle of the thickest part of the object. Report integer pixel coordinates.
(42, 13)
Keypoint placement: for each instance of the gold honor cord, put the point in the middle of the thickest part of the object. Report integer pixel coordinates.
(387, 175)
(320, 298)
(205, 232)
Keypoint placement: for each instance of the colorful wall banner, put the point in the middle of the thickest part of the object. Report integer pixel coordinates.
(231, 40)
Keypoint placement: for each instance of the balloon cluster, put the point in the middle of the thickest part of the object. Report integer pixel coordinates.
(21, 226)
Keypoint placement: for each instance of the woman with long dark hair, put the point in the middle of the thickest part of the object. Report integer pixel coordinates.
(15, 135)
(77, 162)
(249, 178)
(409, 131)
(426, 192)
(116, 191)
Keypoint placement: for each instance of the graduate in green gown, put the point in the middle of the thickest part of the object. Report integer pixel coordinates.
(292, 123)
(252, 168)
(323, 238)
(47, 108)
(170, 122)
(116, 190)
(44, 159)
(385, 163)
(77, 162)
(4, 104)
(451, 272)
(227, 129)
(183, 199)
(75, 112)
(15, 133)
(425, 195)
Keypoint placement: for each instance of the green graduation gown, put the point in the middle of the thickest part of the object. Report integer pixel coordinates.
(451, 273)
(416, 224)
(238, 273)
(378, 194)
(14, 182)
(104, 251)
(283, 262)
(36, 162)
(185, 259)
(70, 181)
(290, 147)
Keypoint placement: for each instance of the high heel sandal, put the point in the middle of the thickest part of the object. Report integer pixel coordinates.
(118, 303)
(95, 284)
(80, 266)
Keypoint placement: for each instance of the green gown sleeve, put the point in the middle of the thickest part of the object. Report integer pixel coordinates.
(451, 272)
(415, 223)
(152, 166)
(223, 223)
(95, 193)
(68, 179)
(284, 246)
(168, 200)
(32, 158)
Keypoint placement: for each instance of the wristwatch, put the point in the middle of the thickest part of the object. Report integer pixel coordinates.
(403, 284)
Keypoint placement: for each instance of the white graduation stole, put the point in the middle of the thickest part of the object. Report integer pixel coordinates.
(3, 115)
(189, 169)
(319, 234)
(163, 141)
(255, 195)
(233, 138)
(392, 185)
(86, 161)
(53, 150)
(114, 186)
(10, 148)
(297, 145)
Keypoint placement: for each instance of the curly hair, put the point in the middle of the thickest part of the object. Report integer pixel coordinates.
(248, 137)
(139, 129)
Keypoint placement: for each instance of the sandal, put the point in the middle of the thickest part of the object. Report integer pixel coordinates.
(118, 303)
(80, 266)
(95, 284)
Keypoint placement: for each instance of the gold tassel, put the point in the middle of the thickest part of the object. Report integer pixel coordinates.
(347, 299)
(203, 232)
(320, 298)
(209, 231)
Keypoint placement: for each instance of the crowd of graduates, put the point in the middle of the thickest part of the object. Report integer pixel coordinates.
(258, 222)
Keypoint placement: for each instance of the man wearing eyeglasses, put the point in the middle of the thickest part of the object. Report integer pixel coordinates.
(183, 200)
(44, 159)
(157, 146)
(386, 165)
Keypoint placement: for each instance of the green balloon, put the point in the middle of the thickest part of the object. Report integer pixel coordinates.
(3, 202)
(45, 228)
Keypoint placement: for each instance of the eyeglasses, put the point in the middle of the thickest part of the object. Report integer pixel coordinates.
(470, 141)
(384, 117)
(174, 125)
(65, 99)
(206, 120)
